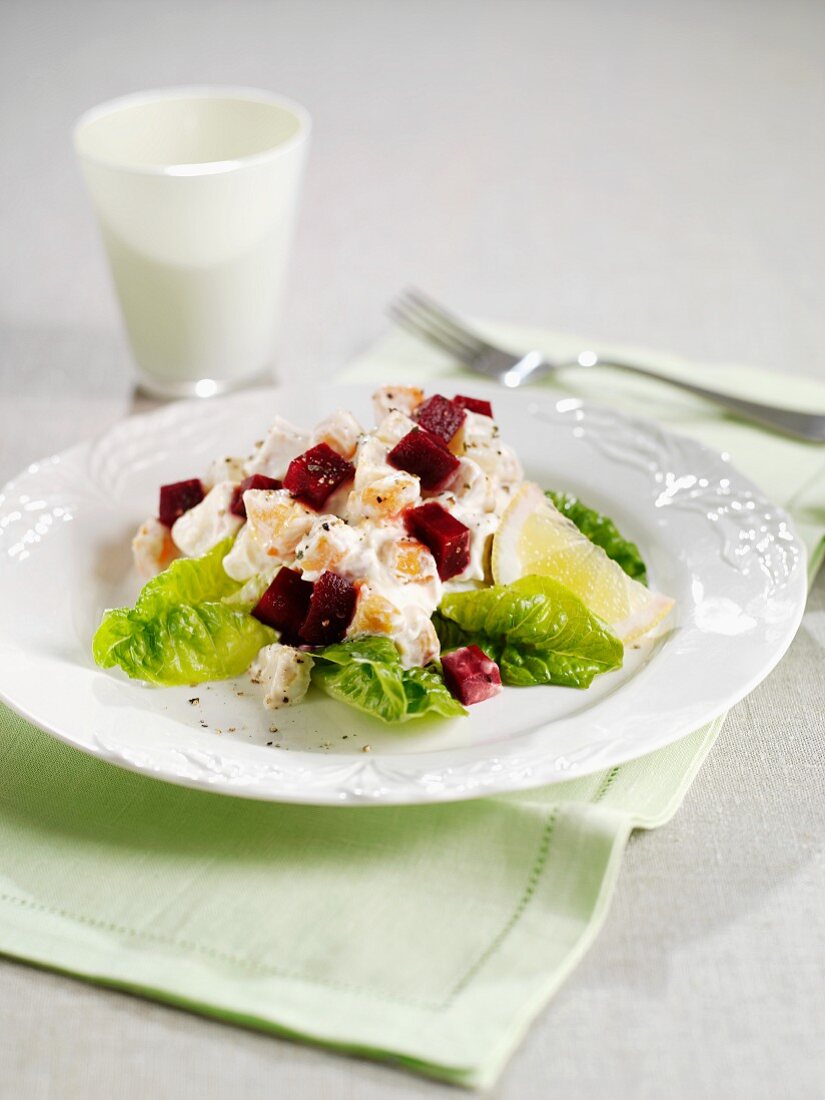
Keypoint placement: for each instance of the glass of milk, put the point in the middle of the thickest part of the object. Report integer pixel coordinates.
(196, 191)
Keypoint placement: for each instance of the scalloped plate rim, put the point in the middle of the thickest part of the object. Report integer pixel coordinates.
(493, 778)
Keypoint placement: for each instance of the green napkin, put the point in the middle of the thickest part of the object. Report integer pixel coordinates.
(430, 936)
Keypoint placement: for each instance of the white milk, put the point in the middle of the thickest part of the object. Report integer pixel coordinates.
(196, 193)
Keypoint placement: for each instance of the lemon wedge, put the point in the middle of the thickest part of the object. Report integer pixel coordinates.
(534, 538)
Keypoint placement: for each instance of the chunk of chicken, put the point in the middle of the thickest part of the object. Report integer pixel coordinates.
(385, 496)
(405, 399)
(152, 548)
(229, 468)
(409, 627)
(393, 428)
(284, 673)
(379, 490)
(203, 526)
(370, 461)
(409, 561)
(341, 431)
(374, 614)
(332, 544)
(275, 524)
(481, 442)
(417, 640)
(273, 454)
(470, 486)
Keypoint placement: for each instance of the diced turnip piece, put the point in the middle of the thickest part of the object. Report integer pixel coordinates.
(177, 498)
(470, 675)
(441, 416)
(284, 605)
(256, 481)
(330, 610)
(317, 473)
(473, 404)
(424, 455)
(447, 539)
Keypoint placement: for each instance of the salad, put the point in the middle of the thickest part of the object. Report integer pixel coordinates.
(406, 570)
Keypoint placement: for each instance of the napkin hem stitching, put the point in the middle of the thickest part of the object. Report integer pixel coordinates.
(606, 784)
(539, 863)
(534, 876)
(215, 953)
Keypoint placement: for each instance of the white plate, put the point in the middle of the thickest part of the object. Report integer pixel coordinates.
(709, 537)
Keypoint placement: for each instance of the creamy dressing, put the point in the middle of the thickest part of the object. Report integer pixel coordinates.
(205, 525)
(361, 535)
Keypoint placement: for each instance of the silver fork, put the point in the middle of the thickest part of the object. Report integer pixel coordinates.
(425, 318)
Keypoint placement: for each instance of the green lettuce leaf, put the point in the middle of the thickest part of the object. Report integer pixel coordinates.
(366, 673)
(537, 631)
(246, 596)
(180, 631)
(603, 532)
(189, 581)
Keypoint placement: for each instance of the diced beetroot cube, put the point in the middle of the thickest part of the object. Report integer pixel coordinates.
(441, 416)
(470, 675)
(316, 473)
(177, 498)
(257, 481)
(447, 539)
(473, 404)
(284, 605)
(425, 456)
(330, 610)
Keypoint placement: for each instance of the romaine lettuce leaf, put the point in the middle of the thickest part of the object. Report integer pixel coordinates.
(366, 673)
(189, 581)
(537, 631)
(179, 631)
(247, 595)
(603, 532)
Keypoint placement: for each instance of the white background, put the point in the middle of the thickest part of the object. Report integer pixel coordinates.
(641, 172)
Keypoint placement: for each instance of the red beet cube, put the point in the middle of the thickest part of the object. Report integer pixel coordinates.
(330, 610)
(425, 456)
(177, 498)
(257, 481)
(447, 539)
(316, 473)
(441, 416)
(473, 404)
(470, 675)
(284, 605)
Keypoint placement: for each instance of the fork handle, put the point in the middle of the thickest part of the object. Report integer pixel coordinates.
(802, 425)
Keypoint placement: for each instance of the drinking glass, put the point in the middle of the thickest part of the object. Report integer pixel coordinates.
(196, 193)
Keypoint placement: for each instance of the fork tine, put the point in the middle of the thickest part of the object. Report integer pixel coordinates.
(426, 332)
(446, 320)
(432, 320)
